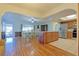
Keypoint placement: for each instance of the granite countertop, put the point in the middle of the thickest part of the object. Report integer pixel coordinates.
(70, 30)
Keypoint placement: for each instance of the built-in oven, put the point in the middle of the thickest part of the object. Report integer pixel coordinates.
(75, 33)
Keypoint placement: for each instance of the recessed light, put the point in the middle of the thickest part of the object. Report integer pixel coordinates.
(69, 17)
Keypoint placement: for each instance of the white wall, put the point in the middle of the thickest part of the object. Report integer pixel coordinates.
(52, 26)
(17, 20)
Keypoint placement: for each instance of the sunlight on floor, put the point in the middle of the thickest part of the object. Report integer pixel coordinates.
(69, 45)
(9, 40)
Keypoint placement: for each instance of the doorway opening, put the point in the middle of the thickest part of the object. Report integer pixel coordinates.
(27, 31)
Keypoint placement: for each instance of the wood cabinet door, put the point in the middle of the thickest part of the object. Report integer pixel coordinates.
(69, 35)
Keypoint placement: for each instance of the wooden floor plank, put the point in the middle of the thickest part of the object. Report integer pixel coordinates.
(22, 47)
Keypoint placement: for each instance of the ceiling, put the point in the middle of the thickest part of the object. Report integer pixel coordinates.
(38, 8)
(57, 17)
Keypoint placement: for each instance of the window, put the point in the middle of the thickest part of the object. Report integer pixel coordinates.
(44, 27)
(27, 29)
(8, 30)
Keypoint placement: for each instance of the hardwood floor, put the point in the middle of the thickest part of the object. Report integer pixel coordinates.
(31, 47)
